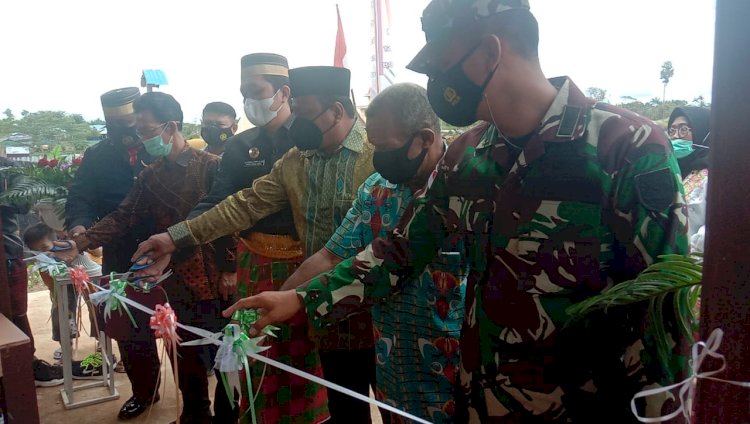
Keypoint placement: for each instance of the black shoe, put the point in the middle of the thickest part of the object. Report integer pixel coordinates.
(133, 408)
(46, 375)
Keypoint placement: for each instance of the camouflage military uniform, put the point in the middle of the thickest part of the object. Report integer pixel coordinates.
(593, 198)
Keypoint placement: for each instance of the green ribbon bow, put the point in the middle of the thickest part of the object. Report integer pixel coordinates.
(111, 302)
(247, 317)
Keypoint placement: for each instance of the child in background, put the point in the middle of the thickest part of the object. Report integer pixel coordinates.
(39, 238)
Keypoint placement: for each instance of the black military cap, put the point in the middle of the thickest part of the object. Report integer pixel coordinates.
(120, 101)
(443, 19)
(265, 64)
(320, 81)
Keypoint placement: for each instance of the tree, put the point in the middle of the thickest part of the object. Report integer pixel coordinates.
(9, 115)
(667, 72)
(598, 94)
(191, 130)
(701, 102)
(654, 109)
(55, 128)
(655, 102)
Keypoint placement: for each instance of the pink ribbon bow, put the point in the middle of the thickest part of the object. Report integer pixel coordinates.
(164, 324)
(80, 279)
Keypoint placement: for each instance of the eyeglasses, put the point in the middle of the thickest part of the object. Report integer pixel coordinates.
(682, 131)
(142, 136)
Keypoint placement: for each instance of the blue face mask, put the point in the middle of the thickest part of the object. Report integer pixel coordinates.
(682, 148)
(156, 147)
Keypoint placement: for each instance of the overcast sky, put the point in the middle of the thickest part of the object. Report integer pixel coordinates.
(61, 55)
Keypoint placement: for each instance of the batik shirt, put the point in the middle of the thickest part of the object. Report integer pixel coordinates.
(416, 344)
(319, 189)
(591, 200)
(164, 193)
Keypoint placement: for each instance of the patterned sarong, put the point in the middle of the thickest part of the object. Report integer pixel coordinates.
(283, 398)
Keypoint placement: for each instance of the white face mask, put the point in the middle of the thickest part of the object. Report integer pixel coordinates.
(259, 112)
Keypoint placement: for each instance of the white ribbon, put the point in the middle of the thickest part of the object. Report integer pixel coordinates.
(687, 387)
(217, 339)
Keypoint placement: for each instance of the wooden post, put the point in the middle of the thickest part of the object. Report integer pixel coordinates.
(726, 279)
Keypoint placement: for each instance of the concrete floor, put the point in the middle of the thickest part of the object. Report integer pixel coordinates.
(51, 409)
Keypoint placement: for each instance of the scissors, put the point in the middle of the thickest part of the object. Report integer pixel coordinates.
(147, 286)
(137, 282)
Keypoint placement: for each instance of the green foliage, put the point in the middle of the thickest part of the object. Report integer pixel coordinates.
(598, 94)
(35, 279)
(191, 130)
(46, 181)
(675, 279)
(654, 109)
(49, 128)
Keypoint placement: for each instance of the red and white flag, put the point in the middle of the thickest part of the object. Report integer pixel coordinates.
(339, 56)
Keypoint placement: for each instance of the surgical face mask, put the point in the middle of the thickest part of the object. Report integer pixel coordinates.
(156, 147)
(395, 165)
(682, 148)
(259, 112)
(454, 96)
(305, 134)
(214, 136)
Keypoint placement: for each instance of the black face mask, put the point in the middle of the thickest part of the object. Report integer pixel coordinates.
(126, 135)
(395, 165)
(454, 96)
(214, 136)
(305, 134)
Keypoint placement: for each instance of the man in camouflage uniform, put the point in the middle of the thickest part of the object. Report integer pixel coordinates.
(555, 197)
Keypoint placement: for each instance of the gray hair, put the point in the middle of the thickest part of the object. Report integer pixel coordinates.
(408, 105)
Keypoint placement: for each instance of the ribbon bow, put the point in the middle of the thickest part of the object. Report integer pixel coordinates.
(80, 279)
(110, 298)
(164, 324)
(699, 352)
(247, 317)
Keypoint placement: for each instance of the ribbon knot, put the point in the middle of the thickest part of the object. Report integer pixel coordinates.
(111, 299)
(699, 352)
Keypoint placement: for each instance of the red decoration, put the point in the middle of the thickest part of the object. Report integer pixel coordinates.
(80, 279)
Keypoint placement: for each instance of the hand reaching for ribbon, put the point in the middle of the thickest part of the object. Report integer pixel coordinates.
(155, 247)
(275, 307)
